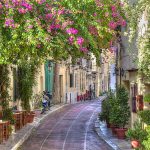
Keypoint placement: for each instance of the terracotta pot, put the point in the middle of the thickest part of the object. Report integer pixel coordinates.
(30, 118)
(121, 133)
(113, 129)
(135, 144)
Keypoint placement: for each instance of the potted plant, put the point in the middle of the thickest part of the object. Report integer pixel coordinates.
(137, 135)
(120, 112)
(113, 115)
(147, 98)
(104, 115)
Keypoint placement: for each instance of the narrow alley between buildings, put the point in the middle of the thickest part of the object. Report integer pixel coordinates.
(69, 128)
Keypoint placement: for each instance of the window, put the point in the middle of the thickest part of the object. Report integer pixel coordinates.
(71, 80)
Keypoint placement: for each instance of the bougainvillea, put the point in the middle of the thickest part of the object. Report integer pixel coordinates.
(38, 29)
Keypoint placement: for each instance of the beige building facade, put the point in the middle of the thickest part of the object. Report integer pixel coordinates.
(70, 82)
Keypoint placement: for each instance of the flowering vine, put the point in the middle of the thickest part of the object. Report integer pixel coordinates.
(43, 28)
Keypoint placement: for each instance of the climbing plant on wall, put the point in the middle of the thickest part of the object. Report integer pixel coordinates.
(136, 30)
(26, 80)
(4, 95)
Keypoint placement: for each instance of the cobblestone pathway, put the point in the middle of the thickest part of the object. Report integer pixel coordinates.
(69, 128)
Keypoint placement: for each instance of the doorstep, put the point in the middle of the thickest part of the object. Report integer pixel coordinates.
(106, 134)
(17, 138)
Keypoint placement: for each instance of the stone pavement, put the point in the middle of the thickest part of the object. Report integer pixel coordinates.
(17, 138)
(106, 134)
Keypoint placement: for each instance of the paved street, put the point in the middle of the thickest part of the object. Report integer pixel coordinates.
(69, 128)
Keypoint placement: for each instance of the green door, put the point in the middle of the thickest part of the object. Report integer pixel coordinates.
(49, 75)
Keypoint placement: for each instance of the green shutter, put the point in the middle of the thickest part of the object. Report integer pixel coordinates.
(49, 76)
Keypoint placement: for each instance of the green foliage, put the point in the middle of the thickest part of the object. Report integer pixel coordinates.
(30, 29)
(106, 105)
(134, 12)
(4, 85)
(104, 115)
(4, 96)
(119, 111)
(145, 116)
(137, 132)
(122, 95)
(8, 115)
(146, 143)
(147, 98)
(26, 80)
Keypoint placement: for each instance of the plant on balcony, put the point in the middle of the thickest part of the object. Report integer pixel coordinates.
(137, 135)
(147, 98)
(145, 116)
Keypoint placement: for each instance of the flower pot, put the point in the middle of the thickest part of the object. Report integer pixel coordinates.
(135, 144)
(30, 118)
(121, 133)
(113, 129)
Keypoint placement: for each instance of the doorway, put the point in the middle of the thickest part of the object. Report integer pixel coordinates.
(61, 87)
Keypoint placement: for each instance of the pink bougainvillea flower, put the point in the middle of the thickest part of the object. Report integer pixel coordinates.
(30, 26)
(49, 16)
(123, 23)
(52, 27)
(121, 4)
(1, 6)
(93, 30)
(113, 8)
(22, 10)
(39, 46)
(40, 1)
(9, 22)
(112, 25)
(60, 12)
(26, 5)
(80, 40)
(72, 31)
(114, 14)
(83, 49)
(95, 14)
(57, 26)
(71, 40)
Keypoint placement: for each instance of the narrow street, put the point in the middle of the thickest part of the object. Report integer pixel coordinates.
(69, 128)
